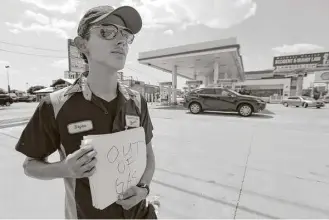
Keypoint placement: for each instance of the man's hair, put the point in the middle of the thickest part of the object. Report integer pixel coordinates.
(84, 57)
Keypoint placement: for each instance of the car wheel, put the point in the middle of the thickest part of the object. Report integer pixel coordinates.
(195, 108)
(318, 107)
(245, 110)
(7, 103)
(305, 105)
(285, 104)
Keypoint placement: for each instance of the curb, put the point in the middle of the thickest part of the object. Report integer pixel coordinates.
(16, 124)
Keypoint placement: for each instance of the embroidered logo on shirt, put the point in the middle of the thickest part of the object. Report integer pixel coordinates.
(80, 126)
(132, 121)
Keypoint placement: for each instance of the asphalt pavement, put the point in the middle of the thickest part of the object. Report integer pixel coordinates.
(212, 165)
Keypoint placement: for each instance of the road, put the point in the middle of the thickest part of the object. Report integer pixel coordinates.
(212, 165)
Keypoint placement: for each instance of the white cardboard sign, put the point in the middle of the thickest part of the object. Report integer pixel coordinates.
(121, 162)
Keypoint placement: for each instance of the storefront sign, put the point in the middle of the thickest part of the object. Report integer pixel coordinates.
(302, 61)
(194, 82)
(71, 75)
(321, 77)
(165, 83)
(76, 62)
(325, 76)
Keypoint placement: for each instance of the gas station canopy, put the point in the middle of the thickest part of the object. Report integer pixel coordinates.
(213, 62)
(196, 61)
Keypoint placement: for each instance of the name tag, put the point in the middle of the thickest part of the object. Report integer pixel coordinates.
(80, 126)
(132, 121)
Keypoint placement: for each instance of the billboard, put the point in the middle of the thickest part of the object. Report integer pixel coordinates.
(194, 82)
(321, 77)
(311, 60)
(71, 75)
(76, 62)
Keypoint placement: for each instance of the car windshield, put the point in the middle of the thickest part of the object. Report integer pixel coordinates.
(232, 91)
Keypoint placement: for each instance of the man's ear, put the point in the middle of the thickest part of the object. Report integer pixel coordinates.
(81, 44)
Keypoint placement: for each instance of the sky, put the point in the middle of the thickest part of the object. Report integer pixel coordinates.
(263, 28)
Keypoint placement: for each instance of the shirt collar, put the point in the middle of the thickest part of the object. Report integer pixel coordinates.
(81, 85)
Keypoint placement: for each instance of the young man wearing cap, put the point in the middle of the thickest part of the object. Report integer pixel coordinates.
(95, 104)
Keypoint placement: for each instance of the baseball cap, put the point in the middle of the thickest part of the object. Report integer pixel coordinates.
(96, 15)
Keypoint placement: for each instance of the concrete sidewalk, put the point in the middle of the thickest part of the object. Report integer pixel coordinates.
(208, 166)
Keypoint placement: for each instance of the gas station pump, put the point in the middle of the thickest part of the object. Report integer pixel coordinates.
(165, 92)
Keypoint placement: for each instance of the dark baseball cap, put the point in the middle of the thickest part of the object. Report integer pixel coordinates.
(127, 14)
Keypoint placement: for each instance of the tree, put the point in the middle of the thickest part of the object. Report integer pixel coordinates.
(307, 92)
(2, 91)
(32, 89)
(316, 93)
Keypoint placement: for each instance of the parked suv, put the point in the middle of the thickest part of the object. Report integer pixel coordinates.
(6, 100)
(222, 99)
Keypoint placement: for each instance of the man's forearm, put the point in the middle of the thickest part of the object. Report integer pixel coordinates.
(150, 166)
(44, 170)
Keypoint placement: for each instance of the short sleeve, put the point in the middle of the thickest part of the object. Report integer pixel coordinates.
(40, 138)
(146, 121)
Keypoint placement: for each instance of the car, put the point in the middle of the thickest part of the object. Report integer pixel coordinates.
(326, 99)
(302, 101)
(13, 96)
(222, 99)
(27, 98)
(180, 100)
(6, 100)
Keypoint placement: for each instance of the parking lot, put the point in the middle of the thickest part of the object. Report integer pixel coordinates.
(212, 165)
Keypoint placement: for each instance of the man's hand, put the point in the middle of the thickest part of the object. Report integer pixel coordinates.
(81, 163)
(132, 197)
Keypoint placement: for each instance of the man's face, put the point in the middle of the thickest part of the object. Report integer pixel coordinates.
(111, 53)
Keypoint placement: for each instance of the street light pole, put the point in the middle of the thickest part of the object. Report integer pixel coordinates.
(7, 67)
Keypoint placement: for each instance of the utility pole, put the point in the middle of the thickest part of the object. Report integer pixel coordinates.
(7, 68)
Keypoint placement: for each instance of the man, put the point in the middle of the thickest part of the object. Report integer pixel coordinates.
(96, 104)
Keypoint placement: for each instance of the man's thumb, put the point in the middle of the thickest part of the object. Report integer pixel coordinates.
(129, 193)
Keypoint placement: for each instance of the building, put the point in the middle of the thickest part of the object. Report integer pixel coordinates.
(286, 78)
(56, 85)
(43, 92)
(61, 83)
(301, 65)
(149, 92)
(213, 62)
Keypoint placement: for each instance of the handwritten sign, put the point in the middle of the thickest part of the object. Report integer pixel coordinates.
(121, 162)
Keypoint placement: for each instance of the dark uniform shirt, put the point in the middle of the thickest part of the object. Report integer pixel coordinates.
(54, 127)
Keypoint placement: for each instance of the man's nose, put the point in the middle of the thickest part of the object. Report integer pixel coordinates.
(122, 41)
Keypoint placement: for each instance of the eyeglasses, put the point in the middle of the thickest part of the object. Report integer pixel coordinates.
(110, 31)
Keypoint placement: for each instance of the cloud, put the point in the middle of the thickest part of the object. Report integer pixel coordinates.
(61, 23)
(4, 62)
(55, 22)
(61, 64)
(183, 13)
(169, 32)
(44, 24)
(296, 49)
(34, 27)
(37, 16)
(15, 31)
(64, 7)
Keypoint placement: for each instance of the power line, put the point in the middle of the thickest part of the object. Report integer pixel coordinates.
(37, 48)
(133, 69)
(31, 54)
